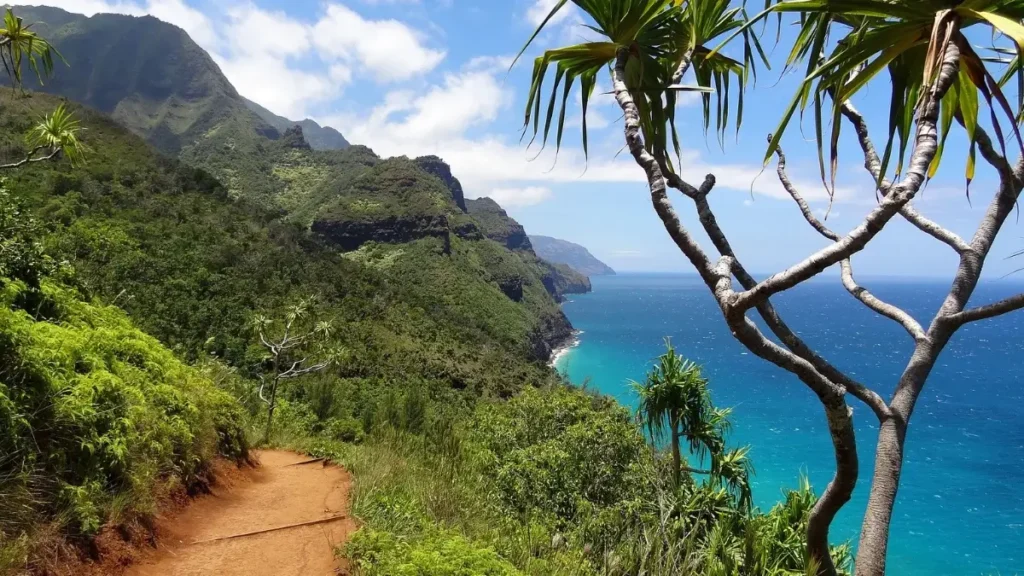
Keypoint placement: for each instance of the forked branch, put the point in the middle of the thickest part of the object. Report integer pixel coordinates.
(886, 309)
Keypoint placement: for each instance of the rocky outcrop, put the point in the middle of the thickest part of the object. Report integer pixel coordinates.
(438, 168)
(351, 234)
(293, 138)
(554, 331)
(560, 280)
(497, 225)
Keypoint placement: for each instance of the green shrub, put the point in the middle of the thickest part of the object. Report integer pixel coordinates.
(437, 553)
(95, 413)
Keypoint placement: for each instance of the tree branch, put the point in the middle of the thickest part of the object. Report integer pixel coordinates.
(655, 179)
(1006, 306)
(874, 167)
(859, 292)
(925, 146)
(29, 158)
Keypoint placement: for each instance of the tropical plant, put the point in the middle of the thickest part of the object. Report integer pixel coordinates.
(659, 41)
(935, 75)
(675, 401)
(18, 43)
(56, 133)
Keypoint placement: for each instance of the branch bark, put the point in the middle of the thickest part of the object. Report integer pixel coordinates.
(859, 292)
(874, 167)
(31, 159)
(718, 279)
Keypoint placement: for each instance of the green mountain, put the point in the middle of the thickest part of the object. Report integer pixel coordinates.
(189, 260)
(319, 137)
(497, 225)
(573, 255)
(148, 75)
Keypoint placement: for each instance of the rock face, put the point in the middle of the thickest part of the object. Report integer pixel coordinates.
(351, 234)
(560, 280)
(573, 255)
(294, 138)
(497, 225)
(439, 168)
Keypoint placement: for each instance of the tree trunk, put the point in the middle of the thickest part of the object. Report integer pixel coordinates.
(271, 406)
(874, 533)
(839, 490)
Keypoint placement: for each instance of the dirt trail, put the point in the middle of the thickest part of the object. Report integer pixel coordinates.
(214, 536)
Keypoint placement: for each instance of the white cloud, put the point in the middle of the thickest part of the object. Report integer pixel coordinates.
(198, 26)
(540, 10)
(444, 112)
(519, 197)
(288, 65)
(388, 49)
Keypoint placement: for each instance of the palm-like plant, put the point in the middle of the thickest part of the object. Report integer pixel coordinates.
(662, 40)
(58, 132)
(18, 43)
(909, 39)
(675, 401)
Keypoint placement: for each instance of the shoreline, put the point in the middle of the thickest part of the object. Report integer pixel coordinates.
(560, 351)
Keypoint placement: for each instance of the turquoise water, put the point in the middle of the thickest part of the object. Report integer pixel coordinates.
(960, 509)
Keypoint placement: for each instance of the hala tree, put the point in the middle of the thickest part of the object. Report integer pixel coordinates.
(938, 83)
(56, 134)
(675, 402)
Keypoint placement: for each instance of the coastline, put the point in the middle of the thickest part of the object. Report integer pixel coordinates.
(560, 351)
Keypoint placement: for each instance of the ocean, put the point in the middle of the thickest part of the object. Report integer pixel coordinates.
(960, 509)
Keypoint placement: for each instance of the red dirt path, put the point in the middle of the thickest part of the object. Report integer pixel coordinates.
(276, 494)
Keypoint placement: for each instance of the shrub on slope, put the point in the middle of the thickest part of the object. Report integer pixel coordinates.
(93, 415)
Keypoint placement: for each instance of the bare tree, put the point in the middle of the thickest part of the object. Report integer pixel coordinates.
(652, 44)
(295, 346)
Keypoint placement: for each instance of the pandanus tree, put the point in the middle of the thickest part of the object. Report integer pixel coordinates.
(56, 134)
(917, 49)
(675, 403)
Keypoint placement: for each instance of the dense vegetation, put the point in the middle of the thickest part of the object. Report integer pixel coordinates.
(469, 454)
(95, 415)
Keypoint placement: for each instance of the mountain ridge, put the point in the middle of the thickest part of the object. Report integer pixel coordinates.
(573, 255)
(319, 137)
(147, 74)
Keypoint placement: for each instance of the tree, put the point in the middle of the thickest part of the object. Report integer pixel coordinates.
(295, 346)
(56, 135)
(675, 399)
(935, 76)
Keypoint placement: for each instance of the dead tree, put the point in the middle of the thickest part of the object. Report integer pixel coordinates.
(297, 349)
(828, 383)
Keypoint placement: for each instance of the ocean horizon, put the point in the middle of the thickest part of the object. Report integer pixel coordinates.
(958, 511)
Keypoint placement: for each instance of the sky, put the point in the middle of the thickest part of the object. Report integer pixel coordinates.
(417, 77)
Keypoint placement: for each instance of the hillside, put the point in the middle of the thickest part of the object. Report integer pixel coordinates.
(148, 75)
(573, 255)
(319, 137)
(497, 225)
(190, 263)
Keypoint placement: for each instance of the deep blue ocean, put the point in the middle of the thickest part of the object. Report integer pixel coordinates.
(960, 509)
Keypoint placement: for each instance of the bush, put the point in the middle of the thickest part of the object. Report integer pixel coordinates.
(438, 553)
(95, 413)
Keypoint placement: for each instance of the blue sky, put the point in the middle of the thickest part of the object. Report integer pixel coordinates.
(421, 77)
